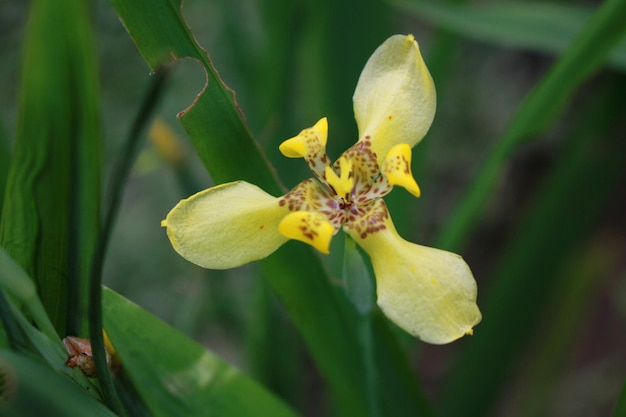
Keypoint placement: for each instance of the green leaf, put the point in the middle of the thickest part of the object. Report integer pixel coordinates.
(5, 156)
(50, 213)
(176, 376)
(620, 407)
(20, 286)
(26, 320)
(585, 55)
(222, 140)
(540, 27)
(119, 176)
(558, 221)
(162, 36)
(578, 284)
(30, 389)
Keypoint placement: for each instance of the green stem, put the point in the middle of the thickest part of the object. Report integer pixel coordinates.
(358, 287)
(366, 339)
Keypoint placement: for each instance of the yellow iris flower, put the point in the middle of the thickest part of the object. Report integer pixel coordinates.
(428, 292)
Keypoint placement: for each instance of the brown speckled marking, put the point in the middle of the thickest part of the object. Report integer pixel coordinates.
(396, 164)
(368, 219)
(362, 210)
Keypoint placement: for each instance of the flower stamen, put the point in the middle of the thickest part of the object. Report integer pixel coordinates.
(343, 183)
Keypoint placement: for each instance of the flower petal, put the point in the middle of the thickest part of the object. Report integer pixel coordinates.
(309, 144)
(428, 292)
(308, 227)
(395, 98)
(309, 141)
(397, 168)
(226, 226)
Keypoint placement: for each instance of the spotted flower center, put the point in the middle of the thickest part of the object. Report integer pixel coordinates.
(347, 194)
(341, 191)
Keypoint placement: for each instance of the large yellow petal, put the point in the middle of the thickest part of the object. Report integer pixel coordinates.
(226, 226)
(395, 97)
(428, 292)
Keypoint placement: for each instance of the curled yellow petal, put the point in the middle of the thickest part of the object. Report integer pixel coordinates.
(395, 98)
(397, 168)
(308, 227)
(309, 142)
(428, 292)
(226, 226)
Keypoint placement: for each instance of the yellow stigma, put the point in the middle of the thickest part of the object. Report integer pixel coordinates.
(308, 141)
(343, 183)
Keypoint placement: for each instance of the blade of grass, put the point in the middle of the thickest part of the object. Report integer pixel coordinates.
(114, 196)
(50, 213)
(223, 142)
(535, 26)
(593, 162)
(585, 56)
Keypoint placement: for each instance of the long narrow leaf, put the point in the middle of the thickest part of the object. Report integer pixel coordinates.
(176, 376)
(585, 56)
(561, 218)
(114, 197)
(24, 310)
(535, 26)
(50, 213)
(4, 165)
(19, 285)
(620, 407)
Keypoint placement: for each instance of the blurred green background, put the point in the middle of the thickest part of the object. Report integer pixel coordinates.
(548, 247)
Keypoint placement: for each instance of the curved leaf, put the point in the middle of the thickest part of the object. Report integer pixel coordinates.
(50, 213)
(30, 389)
(174, 375)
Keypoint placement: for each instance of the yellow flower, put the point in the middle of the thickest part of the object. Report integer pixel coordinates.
(428, 292)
